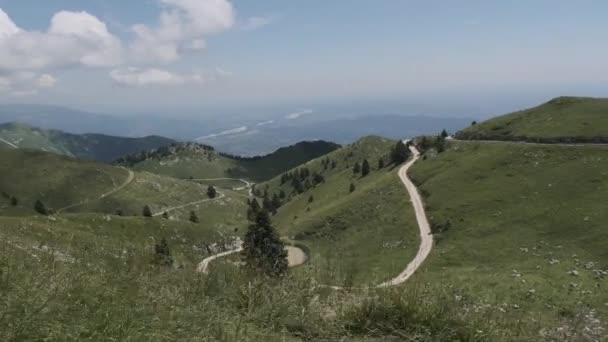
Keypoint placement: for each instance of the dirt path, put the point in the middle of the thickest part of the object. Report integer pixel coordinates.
(9, 143)
(426, 239)
(124, 184)
(248, 185)
(217, 197)
(296, 256)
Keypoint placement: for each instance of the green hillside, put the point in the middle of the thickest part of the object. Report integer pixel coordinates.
(364, 237)
(563, 119)
(191, 160)
(521, 231)
(97, 147)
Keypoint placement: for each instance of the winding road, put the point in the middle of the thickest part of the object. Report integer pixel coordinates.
(128, 181)
(217, 197)
(296, 256)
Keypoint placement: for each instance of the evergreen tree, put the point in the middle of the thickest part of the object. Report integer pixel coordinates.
(262, 249)
(444, 134)
(253, 210)
(352, 187)
(211, 192)
(357, 168)
(311, 199)
(399, 153)
(166, 215)
(276, 202)
(365, 168)
(14, 201)
(282, 194)
(162, 255)
(267, 203)
(380, 163)
(41, 208)
(193, 217)
(473, 123)
(334, 164)
(146, 211)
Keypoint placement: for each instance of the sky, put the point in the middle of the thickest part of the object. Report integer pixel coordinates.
(184, 55)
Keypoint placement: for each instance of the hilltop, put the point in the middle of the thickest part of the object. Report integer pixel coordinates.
(198, 161)
(97, 147)
(563, 119)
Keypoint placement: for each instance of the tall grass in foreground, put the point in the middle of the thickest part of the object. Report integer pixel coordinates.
(128, 299)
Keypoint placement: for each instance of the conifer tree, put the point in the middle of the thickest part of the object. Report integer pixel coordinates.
(14, 201)
(380, 163)
(146, 211)
(352, 187)
(166, 215)
(357, 168)
(162, 254)
(253, 210)
(41, 208)
(365, 168)
(211, 192)
(263, 251)
(193, 217)
(400, 153)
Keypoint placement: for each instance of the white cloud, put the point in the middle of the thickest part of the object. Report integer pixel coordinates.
(183, 25)
(254, 23)
(73, 38)
(296, 115)
(135, 77)
(23, 83)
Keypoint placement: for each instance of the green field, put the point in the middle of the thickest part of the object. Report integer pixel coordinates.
(364, 237)
(527, 236)
(199, 161)
(84, 146)
(563, 119)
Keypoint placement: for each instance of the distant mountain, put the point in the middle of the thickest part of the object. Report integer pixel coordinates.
(97, 147)
(563, 119)
(241, 132)
(192, 160)
(269, 136)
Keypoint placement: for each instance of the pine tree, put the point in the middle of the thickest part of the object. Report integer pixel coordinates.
(146, 211)
(365, 168)
(334, 164)
(211, 192)
(400, 153)
(40, 208)
(444, 134)
(14, 201)
(357, 168)
(193, 217)
(352, 187)
(282, 194)
(162, 255)
(473, 123)
(262, 249)
(276, 202)
(253, 210)
(166, 215)
(380, 163)
(311, 199)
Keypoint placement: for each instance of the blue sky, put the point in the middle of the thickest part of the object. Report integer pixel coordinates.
(487, 55)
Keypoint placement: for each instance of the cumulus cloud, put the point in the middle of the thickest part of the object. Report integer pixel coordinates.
(73, 38)
(80, 39)
(23, 83)
(183, 24)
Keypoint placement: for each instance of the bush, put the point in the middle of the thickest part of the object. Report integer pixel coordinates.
(41, 208)
(146, 211)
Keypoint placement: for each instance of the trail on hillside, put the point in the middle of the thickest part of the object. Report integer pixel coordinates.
(128, 181)
(9, 143)
(426, 239)
(248, 185)
(296, 256)
(217, 197)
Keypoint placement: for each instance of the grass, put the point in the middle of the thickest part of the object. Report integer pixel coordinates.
(199, 163)
(364, 237)
(561, 119)
(84, 146)
(527, 233)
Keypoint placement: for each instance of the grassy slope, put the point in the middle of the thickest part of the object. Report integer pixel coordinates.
(210, 164)
(513, 209)
(84, 146)
(583, 118)
(364, 237)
